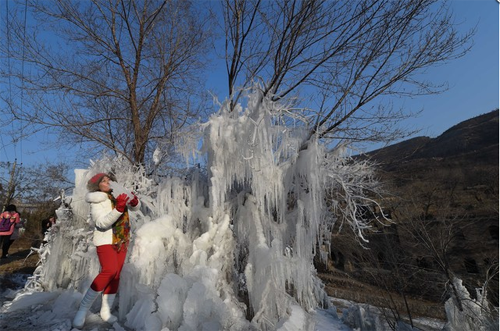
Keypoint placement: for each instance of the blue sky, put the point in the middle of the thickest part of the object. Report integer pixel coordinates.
(473, 80)
(473, 87)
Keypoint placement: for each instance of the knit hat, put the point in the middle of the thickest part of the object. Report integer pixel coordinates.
(11, 208)
(93, 183)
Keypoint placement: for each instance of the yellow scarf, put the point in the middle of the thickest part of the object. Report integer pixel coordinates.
(121, 228)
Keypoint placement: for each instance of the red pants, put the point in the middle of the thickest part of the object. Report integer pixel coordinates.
(112, 262)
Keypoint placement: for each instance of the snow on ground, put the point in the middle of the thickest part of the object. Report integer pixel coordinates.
(328, 320)
(54, 311)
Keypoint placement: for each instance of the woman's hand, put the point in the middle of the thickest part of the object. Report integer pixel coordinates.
(121, 202)
(134, 201)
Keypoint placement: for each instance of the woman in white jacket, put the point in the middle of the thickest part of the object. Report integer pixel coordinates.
(111, 238)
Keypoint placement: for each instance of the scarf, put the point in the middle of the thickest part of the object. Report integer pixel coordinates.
(121, 228)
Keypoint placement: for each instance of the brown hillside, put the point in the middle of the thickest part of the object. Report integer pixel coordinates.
(447, 186)
(470, 136)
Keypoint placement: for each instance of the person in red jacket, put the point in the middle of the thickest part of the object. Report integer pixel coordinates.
(18, 230)
(111, 238)
(11, 214)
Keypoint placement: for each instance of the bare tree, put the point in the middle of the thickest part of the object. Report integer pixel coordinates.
(436, 238)
(9, 192)
(342, 54)
(38, 184)
(121, 74)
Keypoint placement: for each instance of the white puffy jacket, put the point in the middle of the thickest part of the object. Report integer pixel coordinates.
(104, 216)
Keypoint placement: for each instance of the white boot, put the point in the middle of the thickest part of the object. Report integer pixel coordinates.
(106, 305)
(85, 305)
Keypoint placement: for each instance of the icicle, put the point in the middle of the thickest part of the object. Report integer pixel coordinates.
(246, 229)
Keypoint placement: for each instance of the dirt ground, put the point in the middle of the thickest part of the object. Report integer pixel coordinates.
(19, 262)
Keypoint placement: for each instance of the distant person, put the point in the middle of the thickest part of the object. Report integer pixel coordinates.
(47, 224)
(18, 229)
(8, 219)
(111, 238)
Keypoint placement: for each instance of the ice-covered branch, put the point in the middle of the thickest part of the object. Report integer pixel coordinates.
(235, 239)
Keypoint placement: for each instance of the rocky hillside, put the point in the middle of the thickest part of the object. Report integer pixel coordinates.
(447, 186)
(473, 137)
(461, 165)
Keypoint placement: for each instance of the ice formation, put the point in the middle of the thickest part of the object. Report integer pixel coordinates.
(120, 189)
(473, 314)
(229, 246)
